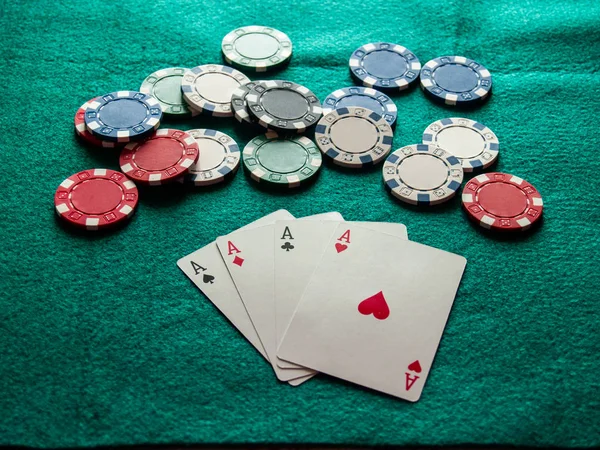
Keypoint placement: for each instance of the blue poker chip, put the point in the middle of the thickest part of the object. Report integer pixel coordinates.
(123, 116)
(456, 80)
(362, 97)
(385, 66)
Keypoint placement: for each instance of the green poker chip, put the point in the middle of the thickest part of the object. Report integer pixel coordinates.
(256, 48)
(277, 161)
(165, 86)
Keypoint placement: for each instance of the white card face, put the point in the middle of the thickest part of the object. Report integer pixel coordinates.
(248, 255)
(299, 246)
(207, 270)
(374, 311)
(333, 215)
(298, 381)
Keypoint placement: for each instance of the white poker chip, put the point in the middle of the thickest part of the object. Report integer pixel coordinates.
(474, 144)
(209, 88)
(354, 137)
(219, 157)
(422, 174)
(256, 48)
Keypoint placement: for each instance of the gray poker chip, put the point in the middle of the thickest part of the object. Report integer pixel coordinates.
(283, 106)
(239, 104)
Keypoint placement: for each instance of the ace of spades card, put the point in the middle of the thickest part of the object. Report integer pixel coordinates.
(205, 267)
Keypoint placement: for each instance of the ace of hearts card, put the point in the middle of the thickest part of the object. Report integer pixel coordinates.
(374, 311)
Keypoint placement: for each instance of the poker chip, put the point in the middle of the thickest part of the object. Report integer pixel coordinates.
(456, 80)
(82, 131)
(219, 157)
(422, 174)
(123, 116)
(354, 137)
(474, 144)
(385, 66)
(256, 48)
(208, 88)
(96, 199)
(502, 202)
(362, 97)
(239, 104)
(164, 157)
(281, 161)
(165, 86)
(283, 105)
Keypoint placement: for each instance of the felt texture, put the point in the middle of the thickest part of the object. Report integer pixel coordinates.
(104, 341)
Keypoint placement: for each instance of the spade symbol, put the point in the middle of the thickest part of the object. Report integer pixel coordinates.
(287, 247)
(208, 278)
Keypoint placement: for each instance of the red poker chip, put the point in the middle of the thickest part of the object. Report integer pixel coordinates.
(82, 131)
(164, 157)
(96, 198)
(502, 202)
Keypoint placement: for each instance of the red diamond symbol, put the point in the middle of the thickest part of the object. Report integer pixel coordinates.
(239, 261)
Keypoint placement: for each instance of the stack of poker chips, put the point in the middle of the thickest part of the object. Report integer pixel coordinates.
(353, 129)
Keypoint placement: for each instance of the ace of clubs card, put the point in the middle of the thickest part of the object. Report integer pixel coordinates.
(299, 247)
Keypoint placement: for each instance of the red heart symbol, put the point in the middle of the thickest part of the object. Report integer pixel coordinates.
(340, 247)
(415, 366)
(375, 305)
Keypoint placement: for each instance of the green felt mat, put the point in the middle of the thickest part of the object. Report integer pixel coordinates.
(104, 341)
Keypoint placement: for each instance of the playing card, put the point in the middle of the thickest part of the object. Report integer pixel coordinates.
(374, 311)
(207, 270)
(333, 215)
(248, 254)
(298, 381)
(299, 246)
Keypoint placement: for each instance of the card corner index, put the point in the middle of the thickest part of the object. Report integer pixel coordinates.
(185, 261)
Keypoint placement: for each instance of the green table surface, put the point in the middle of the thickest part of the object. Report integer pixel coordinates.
(104, 341)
